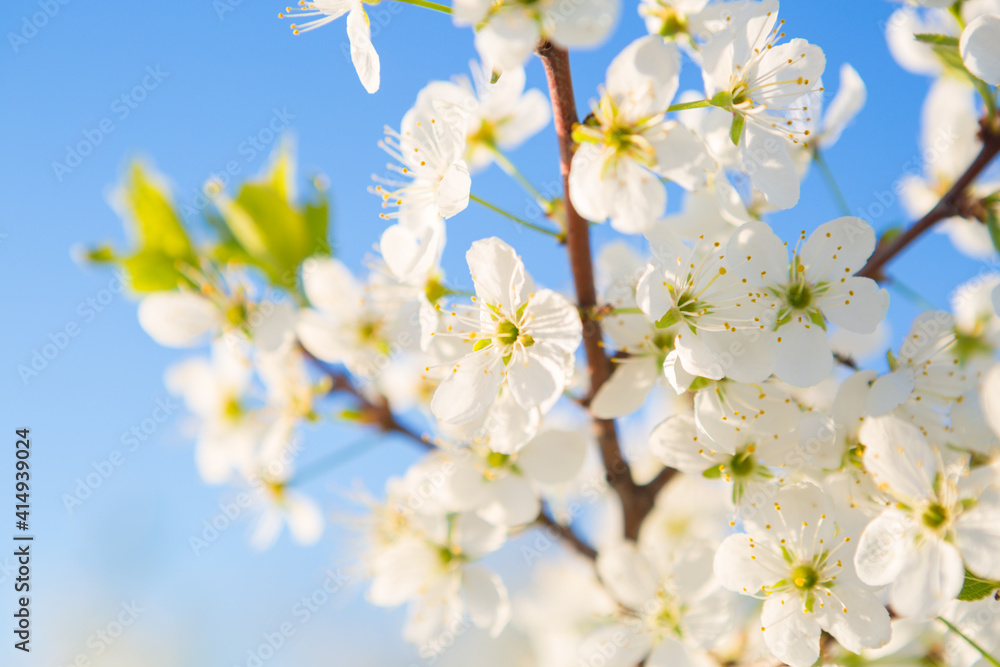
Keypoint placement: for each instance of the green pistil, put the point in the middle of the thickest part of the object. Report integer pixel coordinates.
(799, 295)
(805, 577)
(935, 516)
(742, 464)
(497, 460)
(507, 332)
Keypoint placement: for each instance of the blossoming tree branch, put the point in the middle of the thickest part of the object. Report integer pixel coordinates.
(784, 504)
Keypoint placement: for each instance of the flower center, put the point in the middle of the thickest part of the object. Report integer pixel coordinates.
(497, 460)
(805, 577)
(799, 295)
(507, 333)
(935, 516)
(742, 464)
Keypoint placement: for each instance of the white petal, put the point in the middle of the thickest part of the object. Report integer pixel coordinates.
(639, 198)
(178, 319)
(581, 23)
(682, 157)
(537, 376)
(305, 520)
(678, 378)
(977, 533)
(497, 273)
(770, 167)
(330, 286)
(266, 530)
(882, 549)
(675, 442)
(899, 458)
(846, 104)
(486, 599)
(837, 249)
(469, 388)
(644, 76)
(856, 618)
(989, 396)
(453, 190)
(627, 388)
(980, 48)
(363, 54)
(514, 502)
(553, 457)
(857, 304)
(933, 577)
(589, 191)
(508, 38)
(802, 354)
(627, 574)
(697, 356)
(890, 391)
(743, 567)
(672, 652)
(790, 633)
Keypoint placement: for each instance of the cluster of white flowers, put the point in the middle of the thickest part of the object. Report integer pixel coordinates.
(782, 502)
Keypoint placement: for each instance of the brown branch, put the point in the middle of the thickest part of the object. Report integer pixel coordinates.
(375, 412)
(567, 534)
(954, 202)
(378, 413)
(635, 502)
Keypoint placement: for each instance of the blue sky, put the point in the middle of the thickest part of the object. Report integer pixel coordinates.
(191, 87)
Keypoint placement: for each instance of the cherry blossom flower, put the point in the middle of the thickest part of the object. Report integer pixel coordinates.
(629, 144)
(937, 526)
(793, 557)
(522, 339)
(508, 31)
(766, 86)
(359, 32)
(818, 285)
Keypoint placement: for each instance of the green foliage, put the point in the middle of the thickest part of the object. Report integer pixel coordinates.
(976, 588)
(270, 231)
(945, 47)
(162, 244)
(261, 227)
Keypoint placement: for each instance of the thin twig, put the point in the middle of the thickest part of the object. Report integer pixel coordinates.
(950, 205)
(567, 534)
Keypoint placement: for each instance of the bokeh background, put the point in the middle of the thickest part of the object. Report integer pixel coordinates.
(229, 70)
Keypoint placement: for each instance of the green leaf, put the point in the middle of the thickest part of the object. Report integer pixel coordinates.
(976, 588)
(933, 38)
(152, 271)
(736, 131)
(157, 225)
(715, 472)
(274, 233)
(993, 225)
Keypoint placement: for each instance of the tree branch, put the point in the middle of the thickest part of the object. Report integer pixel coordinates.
(954, 202)
(375, 412)
(636, 504)
(567, 534)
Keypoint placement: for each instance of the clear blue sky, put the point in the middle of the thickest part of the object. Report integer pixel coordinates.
(222, 77)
